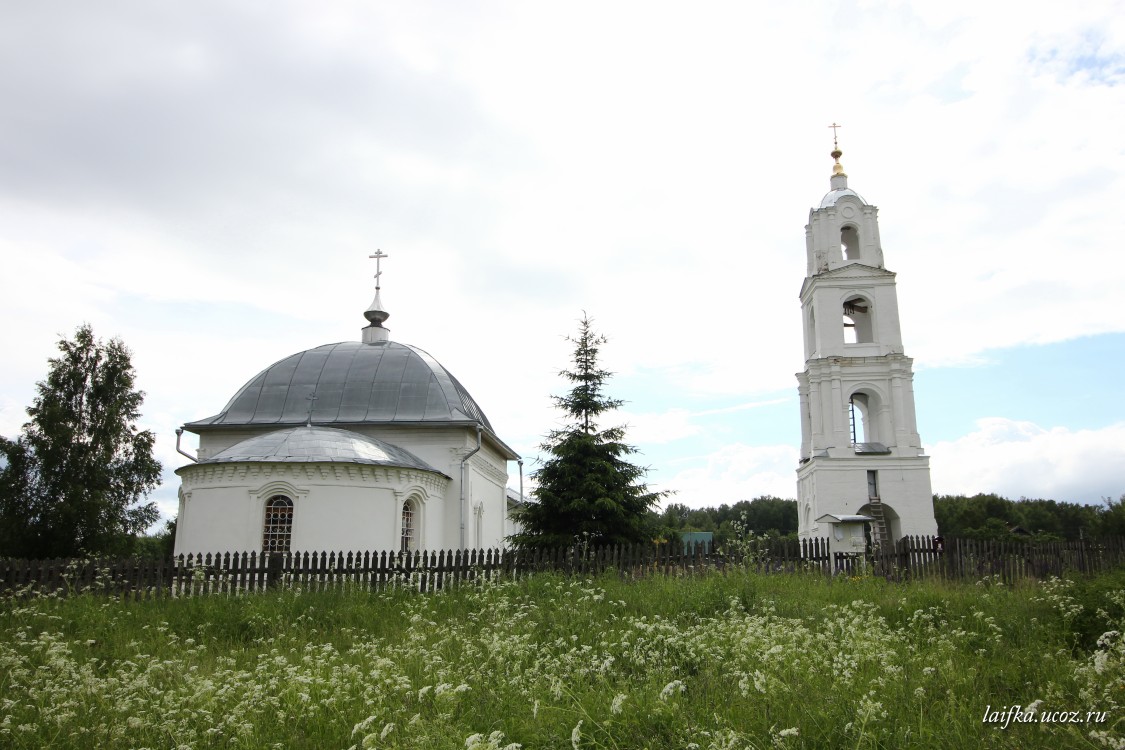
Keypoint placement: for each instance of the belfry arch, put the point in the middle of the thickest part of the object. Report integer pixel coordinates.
(849, 242)
(858, 316)
(863, 407)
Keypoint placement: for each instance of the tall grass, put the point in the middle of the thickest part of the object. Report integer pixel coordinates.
(714, 663)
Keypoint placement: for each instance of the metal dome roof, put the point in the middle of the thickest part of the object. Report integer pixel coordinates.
(309, 444)
(351, 383)
(834, 195)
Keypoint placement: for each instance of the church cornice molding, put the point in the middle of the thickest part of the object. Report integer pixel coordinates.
(341, 473)
(889, 365)
(851, 463)
(485, 467)
(844, 275)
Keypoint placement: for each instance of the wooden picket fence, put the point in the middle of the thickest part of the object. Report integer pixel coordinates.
(238, 573)
(915, 557)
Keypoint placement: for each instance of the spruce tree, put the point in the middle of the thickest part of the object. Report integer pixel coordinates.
(587, 491)
(72, 482)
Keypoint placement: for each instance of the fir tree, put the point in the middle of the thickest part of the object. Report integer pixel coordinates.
(72, 481)
(587, 492)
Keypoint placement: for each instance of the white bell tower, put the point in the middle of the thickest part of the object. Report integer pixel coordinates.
(860, 450)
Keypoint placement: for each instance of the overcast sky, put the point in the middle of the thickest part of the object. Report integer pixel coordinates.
(206, 180)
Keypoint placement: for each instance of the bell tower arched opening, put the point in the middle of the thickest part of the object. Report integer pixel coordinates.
(857, 321)
(862, 419)
(849, 242)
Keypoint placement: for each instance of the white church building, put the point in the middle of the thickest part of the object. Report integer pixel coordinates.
(860, 450)
(353, 446)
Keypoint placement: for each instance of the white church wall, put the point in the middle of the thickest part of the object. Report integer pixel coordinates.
(435, 534)
(341, 518)
(213, 442)
(906, 488)
(444, 448)
(808, 510)
(336, 506)
(840, 487)
(488, 485)
(218, 519)
(441, 447)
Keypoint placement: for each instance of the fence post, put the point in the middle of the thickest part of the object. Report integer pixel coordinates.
(273, 570)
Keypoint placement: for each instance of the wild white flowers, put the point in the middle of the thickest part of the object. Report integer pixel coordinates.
(491, 742)
(538, 660)
(675, 687)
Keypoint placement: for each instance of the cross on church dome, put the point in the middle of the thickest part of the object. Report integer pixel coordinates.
(839, 181)
(839, 177)
(375, 313)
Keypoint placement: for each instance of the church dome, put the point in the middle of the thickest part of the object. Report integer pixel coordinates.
(309, 444)
(833, 196)
(351, 383)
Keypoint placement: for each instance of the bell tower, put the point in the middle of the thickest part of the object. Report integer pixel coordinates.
(860, 449)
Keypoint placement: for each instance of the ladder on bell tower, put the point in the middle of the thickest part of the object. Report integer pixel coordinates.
(880, 533)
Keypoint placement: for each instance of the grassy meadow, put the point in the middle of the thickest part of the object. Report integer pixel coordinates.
(721, 662)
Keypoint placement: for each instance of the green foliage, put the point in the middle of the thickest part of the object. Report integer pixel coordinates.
(988, 516)
(737, 660)
(1113, 516)
(587, 491)
(74, 478)
(762, 516)
(158, 545)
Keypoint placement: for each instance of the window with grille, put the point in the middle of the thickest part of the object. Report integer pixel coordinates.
(408, 538)
(279, 524)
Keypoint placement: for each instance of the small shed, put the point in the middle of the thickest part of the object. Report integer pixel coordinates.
(696, 539)
(848, 532)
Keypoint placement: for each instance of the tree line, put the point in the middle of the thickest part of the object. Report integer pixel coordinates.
(988, 516)
(982, 516)
(762, 516)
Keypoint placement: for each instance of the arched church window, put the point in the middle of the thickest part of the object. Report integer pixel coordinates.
(409, 539)
(857, 321)
(849, 242)
(278, 530)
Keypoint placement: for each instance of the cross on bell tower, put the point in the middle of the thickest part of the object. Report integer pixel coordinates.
(860, 449)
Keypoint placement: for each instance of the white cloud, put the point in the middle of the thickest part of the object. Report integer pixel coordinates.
(1022, 459)
(735, 472)
(666, 427)
(658, 428)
